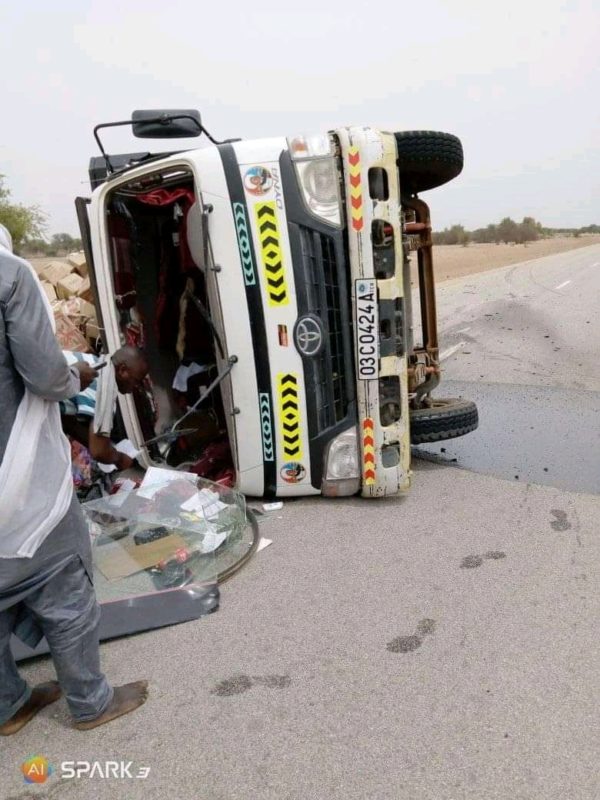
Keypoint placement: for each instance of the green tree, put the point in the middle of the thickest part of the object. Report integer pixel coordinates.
(23, 222)
(590, 229)
(454, 235)
(486, 235)
(36, 247)
(65, 243)
(508, 230)
(527, 231)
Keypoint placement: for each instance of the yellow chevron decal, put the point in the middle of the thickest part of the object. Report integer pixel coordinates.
(271, 254)
(289, 415)
(368, 452)
(356, 201)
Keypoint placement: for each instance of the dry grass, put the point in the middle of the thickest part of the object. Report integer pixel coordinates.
(454, 261)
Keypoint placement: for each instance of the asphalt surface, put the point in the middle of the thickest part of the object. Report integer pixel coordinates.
(523, 343)
(441, 646)
(534, 324)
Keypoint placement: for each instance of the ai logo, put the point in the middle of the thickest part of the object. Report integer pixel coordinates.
(36, 769)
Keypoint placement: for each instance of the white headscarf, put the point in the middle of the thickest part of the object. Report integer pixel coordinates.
(5, 238)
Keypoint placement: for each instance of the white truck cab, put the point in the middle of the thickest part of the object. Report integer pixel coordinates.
(268, 282)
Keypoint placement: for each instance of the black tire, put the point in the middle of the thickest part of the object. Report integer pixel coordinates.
(427, 159)
(446, 419)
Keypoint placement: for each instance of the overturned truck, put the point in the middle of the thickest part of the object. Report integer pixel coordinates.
(269, 282)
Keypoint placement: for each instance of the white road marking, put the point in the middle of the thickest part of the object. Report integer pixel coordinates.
(464, 330)
(562, 285)
(451, 350)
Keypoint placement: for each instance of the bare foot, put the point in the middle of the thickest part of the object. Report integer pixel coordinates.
(126, 699)
(42, 696)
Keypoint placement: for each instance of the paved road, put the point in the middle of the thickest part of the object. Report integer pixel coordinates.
(523, 342)
(442, 646)
(304, 686)
(535, 323)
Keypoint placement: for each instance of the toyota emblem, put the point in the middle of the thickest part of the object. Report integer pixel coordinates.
(308, 336)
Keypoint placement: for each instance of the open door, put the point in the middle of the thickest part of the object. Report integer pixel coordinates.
(81, 208)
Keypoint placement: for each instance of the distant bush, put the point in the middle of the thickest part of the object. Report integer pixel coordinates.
(507, 231)
(59, 245)
(454, 235)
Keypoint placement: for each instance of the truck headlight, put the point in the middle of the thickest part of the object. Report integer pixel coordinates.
(342, 470)
(317, 172)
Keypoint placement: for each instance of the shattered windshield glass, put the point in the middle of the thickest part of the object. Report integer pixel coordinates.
(175, 530)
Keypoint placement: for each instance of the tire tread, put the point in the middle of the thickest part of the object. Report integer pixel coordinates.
(439, 424)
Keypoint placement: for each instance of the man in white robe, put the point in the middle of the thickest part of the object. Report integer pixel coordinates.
(45, 575)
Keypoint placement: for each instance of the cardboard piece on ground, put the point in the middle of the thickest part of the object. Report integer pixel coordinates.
(54, 272)
(69, 286)
(85, 291)
(132, 558)
(77, 260)
(49, 290)
(68, 335)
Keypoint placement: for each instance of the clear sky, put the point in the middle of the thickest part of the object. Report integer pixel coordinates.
(518, 81)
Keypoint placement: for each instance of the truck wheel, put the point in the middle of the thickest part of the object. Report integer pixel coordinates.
(446, 419)
(427, 159)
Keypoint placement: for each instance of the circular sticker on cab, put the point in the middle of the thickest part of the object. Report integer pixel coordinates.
(293, 472)
(258, 181)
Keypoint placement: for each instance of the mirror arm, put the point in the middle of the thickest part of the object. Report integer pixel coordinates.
(162, 120)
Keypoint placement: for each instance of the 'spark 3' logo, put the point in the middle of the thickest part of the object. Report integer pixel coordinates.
(37, 769)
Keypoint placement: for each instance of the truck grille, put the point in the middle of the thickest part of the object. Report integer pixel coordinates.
(330, 375)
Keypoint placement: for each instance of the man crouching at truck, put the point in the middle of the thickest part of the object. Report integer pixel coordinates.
(46, 584)
(89, 416)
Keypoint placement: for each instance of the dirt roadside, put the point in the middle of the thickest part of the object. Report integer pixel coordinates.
(455, 261)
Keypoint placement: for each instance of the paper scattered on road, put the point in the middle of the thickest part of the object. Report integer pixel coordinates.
(263, 543)
(157, 477)
(119, 497)
(206, 503)
(272, 506)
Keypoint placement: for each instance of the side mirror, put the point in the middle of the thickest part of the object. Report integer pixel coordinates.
(166, 124)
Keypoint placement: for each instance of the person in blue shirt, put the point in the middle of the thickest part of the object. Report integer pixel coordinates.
(89, 415)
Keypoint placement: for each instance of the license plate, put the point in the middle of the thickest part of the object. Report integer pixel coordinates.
(367, 329)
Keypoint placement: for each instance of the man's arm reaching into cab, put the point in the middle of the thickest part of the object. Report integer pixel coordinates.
(102, 450)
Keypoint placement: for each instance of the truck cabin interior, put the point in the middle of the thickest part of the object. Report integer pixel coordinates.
(156, 248)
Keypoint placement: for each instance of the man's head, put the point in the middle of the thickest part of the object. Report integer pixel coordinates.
(131, 367)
